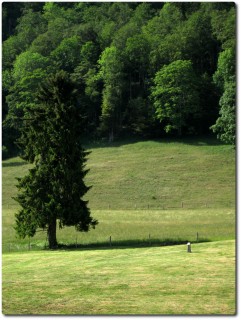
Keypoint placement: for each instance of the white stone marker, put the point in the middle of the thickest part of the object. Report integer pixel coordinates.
(189, 247)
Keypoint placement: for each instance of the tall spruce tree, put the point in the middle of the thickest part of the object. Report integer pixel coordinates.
(53, 190)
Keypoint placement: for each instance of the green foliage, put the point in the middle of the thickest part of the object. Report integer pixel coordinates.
(223, 23)
(5, 152)
(27, 63)
(30, 25)
(175, 95)
(139, 116)
(198, 42)
(29, 71)
(10, 15)
(54, 188)
(226, 68)
(164, 37)
(111, 72)
(224, 26)
(146, 36)
(225, 126)
(67, 55)
(10, 50)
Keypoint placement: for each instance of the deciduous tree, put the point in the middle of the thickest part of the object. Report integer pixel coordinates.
(175, 95)
(111, 72)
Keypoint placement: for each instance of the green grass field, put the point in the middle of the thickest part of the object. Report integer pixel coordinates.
(150, 173)
(133, 227)
(145, 195)
(165, 280)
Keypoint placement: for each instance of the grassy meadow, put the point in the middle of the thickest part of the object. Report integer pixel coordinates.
(155, 280)
(135, 228)
(150, 174)
(145, 194)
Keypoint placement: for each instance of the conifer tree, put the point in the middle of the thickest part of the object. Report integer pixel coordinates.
(53, 190)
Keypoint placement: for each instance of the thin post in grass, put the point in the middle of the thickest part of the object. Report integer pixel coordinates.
(149, 239)
(182, 204)
(76, 242)
(197, 236)
(29, 244)
(110, 241)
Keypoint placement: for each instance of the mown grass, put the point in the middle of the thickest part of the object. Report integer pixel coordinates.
(159, 280)
(134, 227)
(165, 189)
(152, 174)
(158, 174)
(145, 195)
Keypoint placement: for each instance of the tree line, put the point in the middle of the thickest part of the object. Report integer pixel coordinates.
(143, 69)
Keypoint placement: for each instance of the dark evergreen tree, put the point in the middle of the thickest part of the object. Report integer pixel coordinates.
(53, 190)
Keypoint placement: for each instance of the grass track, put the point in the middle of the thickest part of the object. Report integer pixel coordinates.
(165, 280)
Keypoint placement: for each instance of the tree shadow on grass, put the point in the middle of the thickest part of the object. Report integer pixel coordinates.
(201, 141)
(13, 164)
(205, 140)
(127, 244)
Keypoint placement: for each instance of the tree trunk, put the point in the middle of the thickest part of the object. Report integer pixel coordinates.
(52, 239)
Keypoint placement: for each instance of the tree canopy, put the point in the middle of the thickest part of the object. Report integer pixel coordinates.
(118, 54)
(175, 95)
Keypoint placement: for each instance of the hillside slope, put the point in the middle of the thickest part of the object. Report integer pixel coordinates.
(194, 183)
(150, 174)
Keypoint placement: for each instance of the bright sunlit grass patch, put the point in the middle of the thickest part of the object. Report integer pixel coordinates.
(160, 280)
(152, 174)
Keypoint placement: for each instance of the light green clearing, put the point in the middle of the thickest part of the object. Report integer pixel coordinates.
(160, 280)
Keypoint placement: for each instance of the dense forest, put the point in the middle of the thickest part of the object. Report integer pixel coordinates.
(140, 69)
